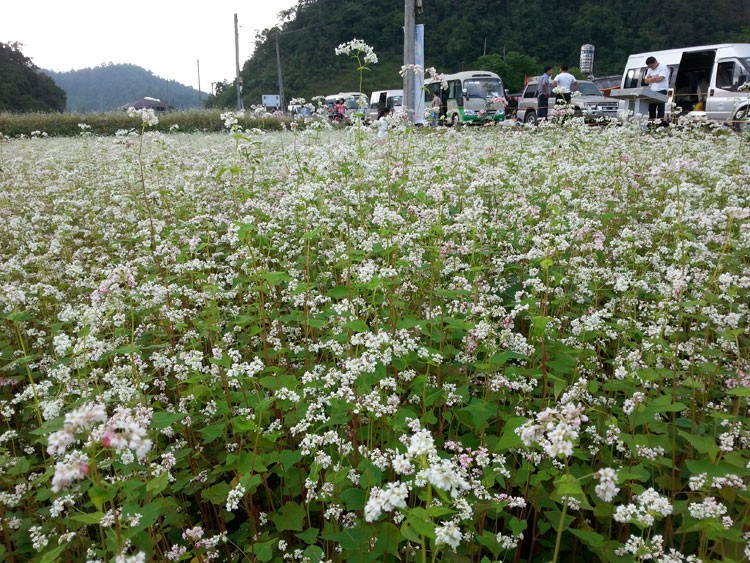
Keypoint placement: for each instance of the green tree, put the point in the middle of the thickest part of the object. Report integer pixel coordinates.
(513, 68)
(23, 87)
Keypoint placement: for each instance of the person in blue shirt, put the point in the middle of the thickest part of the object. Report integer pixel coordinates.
(543, 92)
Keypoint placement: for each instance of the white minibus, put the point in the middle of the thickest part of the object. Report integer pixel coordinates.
(704, 81)
(473, 96)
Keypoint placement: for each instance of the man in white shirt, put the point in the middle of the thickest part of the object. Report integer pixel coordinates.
(566, 82)
(657, 77)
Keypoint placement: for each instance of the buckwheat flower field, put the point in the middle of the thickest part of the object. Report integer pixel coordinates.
(467, 345)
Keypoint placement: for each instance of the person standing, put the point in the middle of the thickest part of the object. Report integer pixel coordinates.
(566, 82)
(543, 92)
(657, 78)
(436, 103)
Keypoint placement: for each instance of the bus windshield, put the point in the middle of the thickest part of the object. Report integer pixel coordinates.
(483, 88)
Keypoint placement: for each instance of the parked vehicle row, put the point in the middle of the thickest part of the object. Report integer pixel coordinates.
(706, 82)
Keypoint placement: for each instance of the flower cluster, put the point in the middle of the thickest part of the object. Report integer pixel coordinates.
(146, 115)
(648, 506)
(555, 430)
(607, 487)
(357, 48)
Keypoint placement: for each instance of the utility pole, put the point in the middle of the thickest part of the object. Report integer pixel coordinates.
(237, 80)
(409, 56)
(199, 83)
(282, 104)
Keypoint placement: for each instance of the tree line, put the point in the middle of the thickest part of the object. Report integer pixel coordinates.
(513, 38)
(23, 87)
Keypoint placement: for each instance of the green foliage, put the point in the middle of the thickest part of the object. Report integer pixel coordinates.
(265, 347)
(23, 87)
(521, 37)
(513, 67)
(68, 124)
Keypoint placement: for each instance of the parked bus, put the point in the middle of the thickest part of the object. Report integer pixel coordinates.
(474, 96)
(704, 81)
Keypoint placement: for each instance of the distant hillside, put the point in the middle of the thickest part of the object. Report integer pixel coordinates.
(110, 86)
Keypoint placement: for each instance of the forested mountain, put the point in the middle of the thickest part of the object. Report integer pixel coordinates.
(23, 87)
(109, 86)
(526, 33)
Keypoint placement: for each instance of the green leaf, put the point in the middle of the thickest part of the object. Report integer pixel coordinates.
(159, 483)
(276, 278)
(54, 555)
(216, 494)
(509, 438)
(309, 536)
(568, 486)
(421, 525)
(477, 414)
(163, 419)
(291, 517)
(100, 495)
(702, 444)
(664, 403)
(339, 292)
(357, 325)
(91, 518)
(264, 550)
(288, 458)
(314, 554)
(592, 539)
(354, 499)
(213, 431)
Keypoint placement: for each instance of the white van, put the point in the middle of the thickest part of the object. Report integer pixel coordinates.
(352, 100)
(385, 99)
(704, 80)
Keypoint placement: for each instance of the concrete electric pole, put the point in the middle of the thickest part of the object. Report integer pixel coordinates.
(238, 79)
(410, 12)
(282, 104)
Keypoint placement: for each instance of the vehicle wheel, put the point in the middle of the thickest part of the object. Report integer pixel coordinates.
(740, 121)
(530, 117)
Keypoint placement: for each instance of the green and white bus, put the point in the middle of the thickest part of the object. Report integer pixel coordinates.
(473, 96)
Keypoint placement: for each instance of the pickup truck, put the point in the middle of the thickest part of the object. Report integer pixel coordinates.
(591, 104)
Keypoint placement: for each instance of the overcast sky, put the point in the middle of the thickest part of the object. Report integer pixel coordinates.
(167, 37)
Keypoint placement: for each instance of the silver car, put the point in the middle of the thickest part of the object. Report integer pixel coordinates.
(589, 104)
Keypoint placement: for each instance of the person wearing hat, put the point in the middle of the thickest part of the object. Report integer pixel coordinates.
(543, 91)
